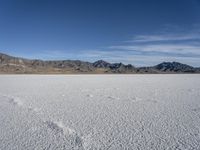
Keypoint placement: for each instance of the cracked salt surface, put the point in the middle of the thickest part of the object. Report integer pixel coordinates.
(82, 112)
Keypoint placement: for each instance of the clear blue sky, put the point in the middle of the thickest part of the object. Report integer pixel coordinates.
(140, 32)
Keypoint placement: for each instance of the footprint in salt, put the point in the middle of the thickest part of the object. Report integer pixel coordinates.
(16, 101)
(58, 127)
(112, 97)
(90, 95)
(34, 109)
(137, 99)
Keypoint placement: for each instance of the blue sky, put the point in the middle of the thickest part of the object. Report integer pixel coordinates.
(139, 32)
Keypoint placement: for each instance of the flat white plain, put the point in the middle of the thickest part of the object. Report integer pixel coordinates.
(109, 112)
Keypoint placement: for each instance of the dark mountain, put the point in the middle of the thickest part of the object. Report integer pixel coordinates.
(175, 67)
(10, 64)
(101, 64)
(115, 67)
(121, 68)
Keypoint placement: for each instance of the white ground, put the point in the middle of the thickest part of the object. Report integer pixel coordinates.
(112, 112)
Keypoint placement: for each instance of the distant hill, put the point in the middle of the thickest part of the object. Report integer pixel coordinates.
(12, 65)
(174, 67)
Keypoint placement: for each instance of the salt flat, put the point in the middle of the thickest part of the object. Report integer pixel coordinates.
(99, 112)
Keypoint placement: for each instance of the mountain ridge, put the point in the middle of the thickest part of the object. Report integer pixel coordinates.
(11, 65)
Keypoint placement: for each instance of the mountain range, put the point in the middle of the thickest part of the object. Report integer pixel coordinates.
(16, 65)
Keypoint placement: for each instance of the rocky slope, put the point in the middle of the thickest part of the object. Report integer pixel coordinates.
(10, 64)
